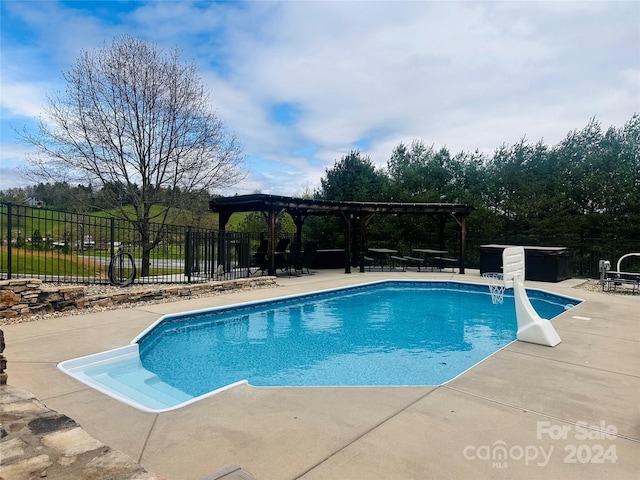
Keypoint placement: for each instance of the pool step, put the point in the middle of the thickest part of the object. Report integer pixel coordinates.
(120, 374)
(143, 386)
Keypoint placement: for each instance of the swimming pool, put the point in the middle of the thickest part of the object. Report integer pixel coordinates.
(384, 333)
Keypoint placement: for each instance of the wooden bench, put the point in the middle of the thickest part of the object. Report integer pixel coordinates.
(446, 262)
(415, 262)
(369, 262)
(403, 261)
(407, 262)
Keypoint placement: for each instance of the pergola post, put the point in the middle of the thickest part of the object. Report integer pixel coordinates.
(441, 224)
(463, 243)
(298, 220)
(271, 235)
(462, 223)
(364, 221)
(223, 219)
(363, 232)
(347, 241)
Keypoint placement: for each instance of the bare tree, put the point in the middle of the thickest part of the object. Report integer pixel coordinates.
(137, 120)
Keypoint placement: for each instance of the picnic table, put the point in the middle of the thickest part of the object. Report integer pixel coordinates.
(381, 256)
(431, 254)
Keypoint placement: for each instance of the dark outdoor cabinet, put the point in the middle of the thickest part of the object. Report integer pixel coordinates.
(542, 264)
(328, 258)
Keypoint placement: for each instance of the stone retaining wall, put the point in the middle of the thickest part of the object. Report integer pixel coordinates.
(32, 296)
(38, 442)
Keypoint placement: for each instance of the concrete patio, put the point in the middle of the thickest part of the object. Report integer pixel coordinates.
(518, 414)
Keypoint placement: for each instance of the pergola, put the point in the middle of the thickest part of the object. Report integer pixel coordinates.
(272, 206)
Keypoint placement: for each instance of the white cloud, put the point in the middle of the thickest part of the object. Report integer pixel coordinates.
(468, 75)
(12, 159)
(21, 99)
(461, 75)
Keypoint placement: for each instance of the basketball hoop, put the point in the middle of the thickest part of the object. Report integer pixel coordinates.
(496, 287)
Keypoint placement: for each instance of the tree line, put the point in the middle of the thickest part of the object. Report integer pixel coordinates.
(586, 186)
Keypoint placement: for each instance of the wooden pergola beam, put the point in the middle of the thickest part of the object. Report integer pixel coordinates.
(272, 206)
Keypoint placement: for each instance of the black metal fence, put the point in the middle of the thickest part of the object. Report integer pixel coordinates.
(585, 252)
(58, 246)
(68, 247)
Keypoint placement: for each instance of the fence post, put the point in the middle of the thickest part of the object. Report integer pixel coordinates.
(211, 241)
(222, 250)
(112, 235)
(187, 255)
(9, 235)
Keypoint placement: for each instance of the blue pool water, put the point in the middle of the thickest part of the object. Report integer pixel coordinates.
(387, 333)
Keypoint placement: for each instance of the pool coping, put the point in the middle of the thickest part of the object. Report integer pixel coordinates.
(357, 432)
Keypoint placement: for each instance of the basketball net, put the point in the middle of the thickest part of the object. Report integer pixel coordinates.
(496, 287)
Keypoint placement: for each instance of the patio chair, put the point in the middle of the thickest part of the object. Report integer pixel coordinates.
(616, 278)
(260, 257)
(310, 250)
(280, 253)
(294, 257)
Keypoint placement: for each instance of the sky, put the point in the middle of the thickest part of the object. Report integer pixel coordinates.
(302, 83)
